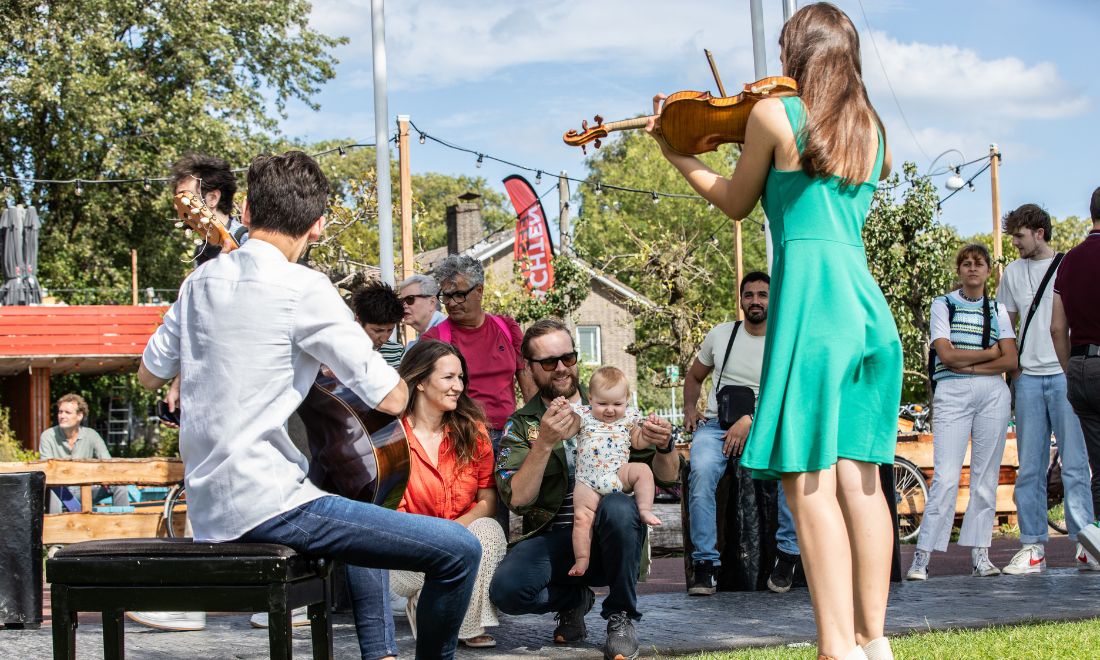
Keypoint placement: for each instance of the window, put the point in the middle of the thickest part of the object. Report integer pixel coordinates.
(588, 344)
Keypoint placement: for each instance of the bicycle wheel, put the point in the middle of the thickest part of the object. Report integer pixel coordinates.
(910, 493)
(1056, 492)
(175, 511)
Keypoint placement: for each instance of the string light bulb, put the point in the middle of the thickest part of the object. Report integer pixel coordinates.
(480, 159)
(421, 140)
(599, 188)
(79, 188)
(340, 150)
(538, 177)
(146, 185)
(656, 197)
(955, 181)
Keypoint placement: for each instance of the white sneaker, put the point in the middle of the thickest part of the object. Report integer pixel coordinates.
(979, 559)
(919, 569)
(1089, 537)
(1085, 561)
(298, 617)
(178, 621)
(1030, 559)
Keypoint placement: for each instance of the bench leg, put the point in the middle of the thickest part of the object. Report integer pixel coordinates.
(64, 624)
(320, 625)
(113, 629)
(278, 632)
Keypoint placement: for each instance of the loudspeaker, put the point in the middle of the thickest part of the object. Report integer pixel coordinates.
(22, 498)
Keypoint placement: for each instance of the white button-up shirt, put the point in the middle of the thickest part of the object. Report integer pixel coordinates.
(248, 334)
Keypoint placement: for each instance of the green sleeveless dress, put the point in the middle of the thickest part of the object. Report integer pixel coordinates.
(831, 380)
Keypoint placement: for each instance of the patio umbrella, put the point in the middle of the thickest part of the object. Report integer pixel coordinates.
(19, 254)
(33, 292)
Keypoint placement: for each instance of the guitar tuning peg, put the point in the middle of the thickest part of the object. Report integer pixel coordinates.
(179, 224)
(597, 143)
(198, 241)
(599, 120)
(204, 220)
(195, 211)
(584, 149)
(187, 232)
(584, 124)
(185, 200)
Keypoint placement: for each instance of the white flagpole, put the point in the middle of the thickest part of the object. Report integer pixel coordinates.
(382, 142)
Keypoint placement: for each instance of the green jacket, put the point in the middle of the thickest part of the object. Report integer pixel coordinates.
(514, 447)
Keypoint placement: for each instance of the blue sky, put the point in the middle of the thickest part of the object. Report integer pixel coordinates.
(508, 78)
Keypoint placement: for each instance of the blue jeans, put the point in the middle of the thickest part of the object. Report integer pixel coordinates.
(1042, 407)
(534, 576)
(708, 464)
(370, 597)
(362, 534)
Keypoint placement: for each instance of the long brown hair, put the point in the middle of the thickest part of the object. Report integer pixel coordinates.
(820, 50)
(467, 420)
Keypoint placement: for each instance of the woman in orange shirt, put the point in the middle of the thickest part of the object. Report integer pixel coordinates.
(451, 474)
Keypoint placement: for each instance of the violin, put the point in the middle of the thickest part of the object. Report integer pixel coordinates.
(694, 122)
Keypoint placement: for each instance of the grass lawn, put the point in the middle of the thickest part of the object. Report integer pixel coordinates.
(1077, 639)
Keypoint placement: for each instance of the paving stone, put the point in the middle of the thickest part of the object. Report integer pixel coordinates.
(673, 623)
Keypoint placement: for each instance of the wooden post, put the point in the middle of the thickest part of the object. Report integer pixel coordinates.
(563, 213)
(133, 277)
(995, 185)
(740, 266)
(405, 191)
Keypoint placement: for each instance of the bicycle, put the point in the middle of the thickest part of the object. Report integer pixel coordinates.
(175, 511)
(913, 418)
(910, 494)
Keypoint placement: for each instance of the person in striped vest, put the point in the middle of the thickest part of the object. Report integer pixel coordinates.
(974, 345)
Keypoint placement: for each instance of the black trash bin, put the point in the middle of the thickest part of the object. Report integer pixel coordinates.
(23, 496)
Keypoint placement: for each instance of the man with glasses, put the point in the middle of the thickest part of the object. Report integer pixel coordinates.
(535, 477)
(418, 296)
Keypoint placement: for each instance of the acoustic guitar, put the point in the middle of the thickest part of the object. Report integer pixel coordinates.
(357, 451)
(201, 221)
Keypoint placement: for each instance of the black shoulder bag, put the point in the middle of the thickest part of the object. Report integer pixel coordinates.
(734, 401)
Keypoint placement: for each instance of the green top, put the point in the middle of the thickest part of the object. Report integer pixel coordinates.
(89, 444)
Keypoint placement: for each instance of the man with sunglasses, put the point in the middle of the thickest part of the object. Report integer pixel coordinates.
(535, 477)
(419, 297)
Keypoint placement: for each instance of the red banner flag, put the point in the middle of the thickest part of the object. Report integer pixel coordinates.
(533, 248)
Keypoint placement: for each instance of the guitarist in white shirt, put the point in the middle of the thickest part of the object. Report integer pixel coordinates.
(253, 327)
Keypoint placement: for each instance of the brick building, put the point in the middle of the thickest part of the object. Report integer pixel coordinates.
(603, 325)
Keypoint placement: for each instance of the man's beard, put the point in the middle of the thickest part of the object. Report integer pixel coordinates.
(756, 315)
(550, 391)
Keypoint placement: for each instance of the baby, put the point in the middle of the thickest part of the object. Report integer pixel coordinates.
(608, 431)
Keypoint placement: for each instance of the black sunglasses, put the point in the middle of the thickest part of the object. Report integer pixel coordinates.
(410, 299)
(457, 297)
(551, 363)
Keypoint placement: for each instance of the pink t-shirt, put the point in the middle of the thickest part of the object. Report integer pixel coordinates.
(493, 358)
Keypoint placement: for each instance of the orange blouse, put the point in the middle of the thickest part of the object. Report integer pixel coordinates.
(447, 490)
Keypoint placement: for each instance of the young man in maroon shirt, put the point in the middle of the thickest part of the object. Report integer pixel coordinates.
(1075, 329)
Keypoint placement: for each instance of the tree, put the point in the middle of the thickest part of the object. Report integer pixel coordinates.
(911, 256)
(678, 252)
(102, 88)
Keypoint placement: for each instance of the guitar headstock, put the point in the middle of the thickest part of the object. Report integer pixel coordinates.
(587, 134)
(201, 221)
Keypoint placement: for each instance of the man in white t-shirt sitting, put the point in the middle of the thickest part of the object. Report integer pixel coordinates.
(712, 447)
(1041, 403)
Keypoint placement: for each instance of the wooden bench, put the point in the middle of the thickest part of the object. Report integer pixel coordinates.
(87, 525)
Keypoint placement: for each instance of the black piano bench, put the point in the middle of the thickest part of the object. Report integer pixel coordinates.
(158, 575)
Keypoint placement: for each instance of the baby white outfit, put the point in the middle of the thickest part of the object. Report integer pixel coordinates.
(603, 448)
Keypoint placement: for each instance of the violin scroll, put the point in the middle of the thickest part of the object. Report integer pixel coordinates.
(586, 135)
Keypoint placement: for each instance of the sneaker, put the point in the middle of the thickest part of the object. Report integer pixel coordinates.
(703, 581)
(1030, 559)
(298, 617)
(782, 576)
(622, 641)
(571, 626)
(1085, 561)
(919, 569)
(1089, 538)
(979, 559)
(177, 621)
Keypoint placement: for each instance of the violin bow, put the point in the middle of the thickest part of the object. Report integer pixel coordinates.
(714, 70)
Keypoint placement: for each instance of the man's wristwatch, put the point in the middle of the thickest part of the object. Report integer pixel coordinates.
(668, 448)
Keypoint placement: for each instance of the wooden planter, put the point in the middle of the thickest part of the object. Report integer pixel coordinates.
(917, 448)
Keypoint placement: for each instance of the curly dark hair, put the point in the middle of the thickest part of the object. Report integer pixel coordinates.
(376, 302)
(466, 421)
(1029, 216)
(213, 174)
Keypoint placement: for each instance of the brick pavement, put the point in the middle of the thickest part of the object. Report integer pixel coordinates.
(674, 624)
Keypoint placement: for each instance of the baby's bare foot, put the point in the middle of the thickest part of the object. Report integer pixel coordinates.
(579, 568)
(650, 519)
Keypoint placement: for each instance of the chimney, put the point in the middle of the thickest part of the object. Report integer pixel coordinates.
(464, 228)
